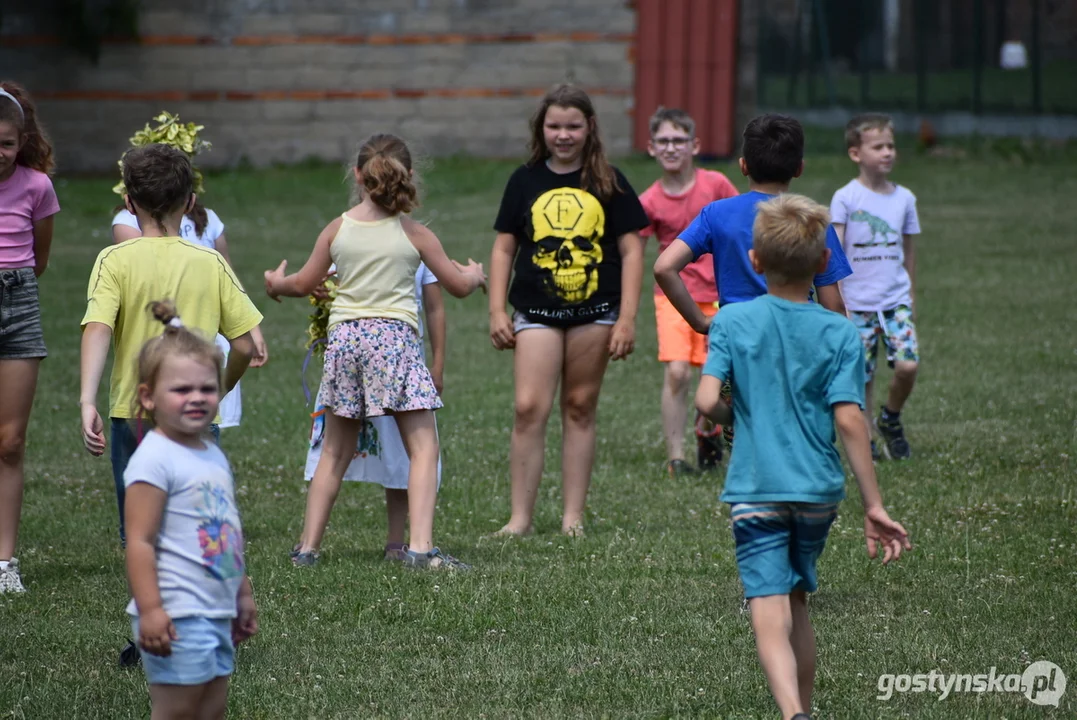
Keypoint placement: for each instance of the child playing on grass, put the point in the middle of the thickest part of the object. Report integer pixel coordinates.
(200, 226)
(380, 455)
(192, 602)
(796, 371)
(773, 154)
(877, 222)
(567, 235)
(672, 203)
(373, 361)
(28, 206)
(158, 181)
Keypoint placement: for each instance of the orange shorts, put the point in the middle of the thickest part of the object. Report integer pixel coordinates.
(677, 341)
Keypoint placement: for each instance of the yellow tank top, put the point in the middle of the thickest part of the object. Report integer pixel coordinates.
(376, 265)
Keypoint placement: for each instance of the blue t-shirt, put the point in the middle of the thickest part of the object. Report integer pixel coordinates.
(788, 363)
(724, 229)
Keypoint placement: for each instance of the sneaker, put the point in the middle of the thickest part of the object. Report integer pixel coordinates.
(10, 581)
(305, 559)
(434, 560)
(679, 468)
(130, 656)
(396, 552)
(708, 443)
(893, 433)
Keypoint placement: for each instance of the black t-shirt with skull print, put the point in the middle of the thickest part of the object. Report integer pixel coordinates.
(567, 269)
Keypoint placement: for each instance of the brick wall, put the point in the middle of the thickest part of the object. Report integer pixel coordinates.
(287, 80)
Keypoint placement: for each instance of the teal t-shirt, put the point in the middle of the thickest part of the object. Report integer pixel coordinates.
(789, 364)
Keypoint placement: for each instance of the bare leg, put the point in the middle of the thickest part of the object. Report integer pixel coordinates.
(177, 702)
(536, 366)
(396, 508)
(586, 357)
(18, 381)
(675, 407)
(215, 700)
(869, 391)
(901, 385)
(338, 449)
(420, 437)
(772, 621)
(803, 639)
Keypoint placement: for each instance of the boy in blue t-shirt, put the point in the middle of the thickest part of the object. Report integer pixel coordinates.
(796, 370)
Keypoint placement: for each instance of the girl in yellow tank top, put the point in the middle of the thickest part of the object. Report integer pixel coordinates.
(373, 359)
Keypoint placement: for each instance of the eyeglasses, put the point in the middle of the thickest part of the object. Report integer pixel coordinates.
(675, 143)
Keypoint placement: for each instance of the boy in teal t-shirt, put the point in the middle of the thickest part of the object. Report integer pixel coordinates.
(796, 369)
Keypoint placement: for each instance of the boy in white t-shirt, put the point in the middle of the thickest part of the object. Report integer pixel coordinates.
(877, 221)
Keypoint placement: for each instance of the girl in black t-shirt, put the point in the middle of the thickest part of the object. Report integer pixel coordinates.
(567, 236)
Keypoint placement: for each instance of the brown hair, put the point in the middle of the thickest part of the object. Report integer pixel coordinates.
(773, 148)
(866, 121)
(197, 215)
(597, 176)
(789, 236)
(36, 151)
(385, 163)
(177, 341)
(674, 116)
(158, 179)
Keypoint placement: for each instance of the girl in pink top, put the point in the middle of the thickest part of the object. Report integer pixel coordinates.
(27, 206)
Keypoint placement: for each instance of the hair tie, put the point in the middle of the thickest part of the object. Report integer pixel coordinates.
(175, 323)
(5, 93)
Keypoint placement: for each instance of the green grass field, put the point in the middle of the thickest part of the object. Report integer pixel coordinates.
(642, 618)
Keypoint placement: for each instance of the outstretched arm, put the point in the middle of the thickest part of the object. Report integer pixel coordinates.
(667, 272)
(434, 308)
(302, 283)
(459, 280)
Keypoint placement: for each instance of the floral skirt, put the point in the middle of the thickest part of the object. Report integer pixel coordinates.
(374, 367)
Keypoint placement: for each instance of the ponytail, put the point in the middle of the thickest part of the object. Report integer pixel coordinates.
(385, 164)
(36, 151)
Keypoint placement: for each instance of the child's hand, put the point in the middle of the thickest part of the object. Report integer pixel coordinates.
(502, 335)
(880, 529)
(274, 278)
(261, 352)
(245, 624)
(93, 430)
(622, 339)
(156, 632)
(438, 375)
(475, 270)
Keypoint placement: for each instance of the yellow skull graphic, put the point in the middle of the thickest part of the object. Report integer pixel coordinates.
(569, 224)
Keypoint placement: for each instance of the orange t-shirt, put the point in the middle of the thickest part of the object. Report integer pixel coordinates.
(671, 214)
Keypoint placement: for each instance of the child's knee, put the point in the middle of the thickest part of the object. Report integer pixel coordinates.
(579, 409)
(678, 375)
(531, 413)
(12, 446)
(906, 369)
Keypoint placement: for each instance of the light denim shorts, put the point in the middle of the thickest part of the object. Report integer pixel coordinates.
(202, 652)
(521, 322)
(21, 337)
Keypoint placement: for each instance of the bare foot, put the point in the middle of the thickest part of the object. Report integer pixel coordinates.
(574, 530)
(509, 531)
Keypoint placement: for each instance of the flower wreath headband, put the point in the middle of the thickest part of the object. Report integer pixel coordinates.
(170, 131)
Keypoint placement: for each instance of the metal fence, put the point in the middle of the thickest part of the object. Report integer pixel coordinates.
(1013, 57)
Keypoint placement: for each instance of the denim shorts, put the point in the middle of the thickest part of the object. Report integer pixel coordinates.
(21, 337)
(778, 545)
(201, 652)
(520, 321)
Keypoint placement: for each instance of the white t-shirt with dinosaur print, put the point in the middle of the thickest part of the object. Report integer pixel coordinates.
(875, 224)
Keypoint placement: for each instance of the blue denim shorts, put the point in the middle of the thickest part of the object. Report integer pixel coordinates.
(21, 337)
(202, 652)
(778, 545)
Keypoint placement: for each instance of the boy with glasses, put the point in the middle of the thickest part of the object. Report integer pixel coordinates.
(672, 203)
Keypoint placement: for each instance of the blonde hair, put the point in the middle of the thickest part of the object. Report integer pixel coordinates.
(176, 341)
(868, 121)
(789, 236)
(385, 163)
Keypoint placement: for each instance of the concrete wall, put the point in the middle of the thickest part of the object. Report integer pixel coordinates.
(287, 80)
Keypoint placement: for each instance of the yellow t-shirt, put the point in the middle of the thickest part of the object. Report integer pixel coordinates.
(127, 277)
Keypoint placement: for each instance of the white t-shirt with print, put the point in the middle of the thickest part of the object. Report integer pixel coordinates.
(231, 409)
(199, 547)
(875, 226)
(213, 230)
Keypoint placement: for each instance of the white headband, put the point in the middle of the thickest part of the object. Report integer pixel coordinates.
(5, 93)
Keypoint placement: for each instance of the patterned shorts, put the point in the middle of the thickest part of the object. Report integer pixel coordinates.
(779, 544)
(898, 333)
(375, 367)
